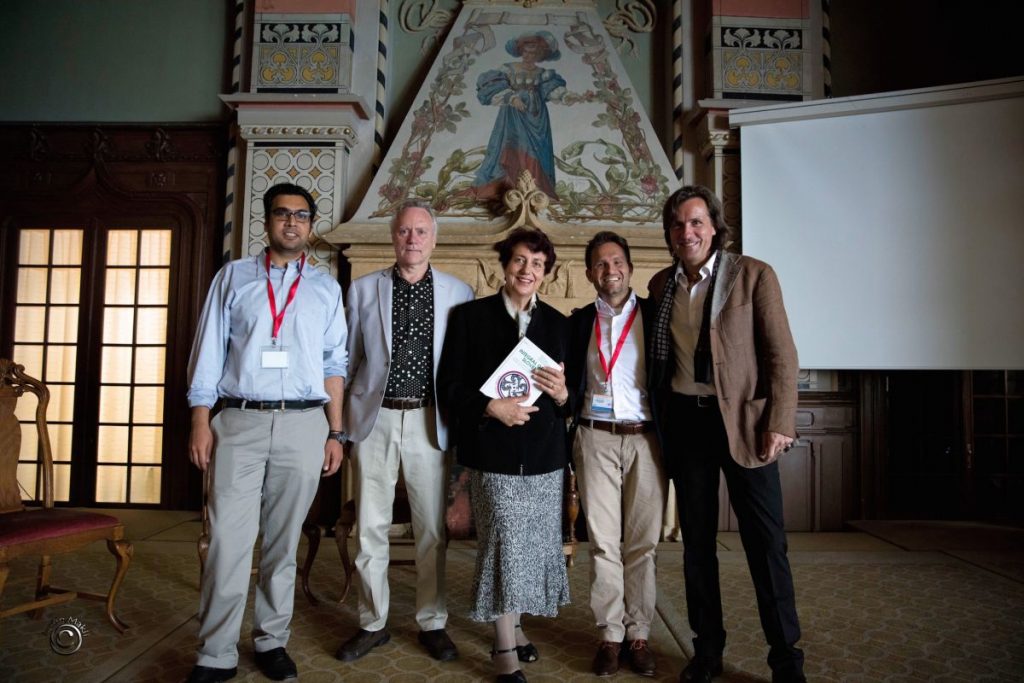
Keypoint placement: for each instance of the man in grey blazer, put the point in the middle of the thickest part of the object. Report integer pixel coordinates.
(397, 320)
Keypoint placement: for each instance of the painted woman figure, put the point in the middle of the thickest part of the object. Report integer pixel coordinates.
(521, 139)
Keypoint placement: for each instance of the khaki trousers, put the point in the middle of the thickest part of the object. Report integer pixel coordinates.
(266, 469)
(622, 487)
(401, 440)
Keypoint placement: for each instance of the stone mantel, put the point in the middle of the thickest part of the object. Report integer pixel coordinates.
(464, 249)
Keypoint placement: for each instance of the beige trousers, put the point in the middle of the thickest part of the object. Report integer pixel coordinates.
(266, 469)
(622, 487)
(401, 440)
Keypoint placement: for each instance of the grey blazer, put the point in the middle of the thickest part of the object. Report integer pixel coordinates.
(368, 309)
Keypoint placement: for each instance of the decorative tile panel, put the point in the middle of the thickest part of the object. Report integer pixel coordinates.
(318, 169)
(762, 61)
(302, 53)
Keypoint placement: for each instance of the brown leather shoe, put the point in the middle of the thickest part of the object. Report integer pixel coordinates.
(606, 661)
(641, 659)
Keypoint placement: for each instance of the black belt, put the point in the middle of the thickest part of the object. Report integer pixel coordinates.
(405, 403)
(618, 427)
(691, 401)
(270, 405)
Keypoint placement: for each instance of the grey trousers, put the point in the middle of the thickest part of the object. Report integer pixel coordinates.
(266, 469)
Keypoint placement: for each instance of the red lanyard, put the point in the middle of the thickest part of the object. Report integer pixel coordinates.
(278, 318)
(605, 365)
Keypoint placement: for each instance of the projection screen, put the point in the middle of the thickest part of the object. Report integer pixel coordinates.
(895, 222)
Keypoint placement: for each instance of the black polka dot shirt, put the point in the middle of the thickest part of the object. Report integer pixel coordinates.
(412, 339)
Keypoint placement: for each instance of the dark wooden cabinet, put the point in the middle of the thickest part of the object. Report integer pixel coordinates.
(819, 473)
(994, 464)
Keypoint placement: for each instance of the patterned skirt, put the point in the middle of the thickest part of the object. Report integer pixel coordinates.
(519, 562)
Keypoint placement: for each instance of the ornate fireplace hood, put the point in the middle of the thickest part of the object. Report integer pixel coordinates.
(526, 117)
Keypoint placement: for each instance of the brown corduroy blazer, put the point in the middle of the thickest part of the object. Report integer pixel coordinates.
(753, 354)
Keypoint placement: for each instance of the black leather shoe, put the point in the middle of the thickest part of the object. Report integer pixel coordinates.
(209, 674)
(276, 664)
(789, 677)
(701, 670)
(527, 653)
(516, 676)
(438, 644)
(361, 643)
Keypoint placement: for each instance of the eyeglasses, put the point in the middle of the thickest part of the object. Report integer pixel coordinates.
(300, 216)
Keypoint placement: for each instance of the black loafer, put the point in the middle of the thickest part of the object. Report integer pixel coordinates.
(276, 664)
(516, 676)
(438, 644)
(209, 674)
(361, 643)
(701, 669)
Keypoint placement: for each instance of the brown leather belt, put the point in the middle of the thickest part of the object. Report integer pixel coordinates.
(618, 427)
(405, 403)
(269, 405)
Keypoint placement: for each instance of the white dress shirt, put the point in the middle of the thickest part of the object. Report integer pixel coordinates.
(521, 317)
(628, 386)
(687, 313)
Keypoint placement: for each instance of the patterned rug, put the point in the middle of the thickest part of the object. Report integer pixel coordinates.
(874, 613)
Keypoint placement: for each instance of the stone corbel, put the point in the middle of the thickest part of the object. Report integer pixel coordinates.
(526, 202)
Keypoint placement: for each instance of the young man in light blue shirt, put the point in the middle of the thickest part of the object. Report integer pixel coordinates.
(271, 348)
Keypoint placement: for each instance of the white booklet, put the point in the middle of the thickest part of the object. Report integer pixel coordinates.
(514, 377)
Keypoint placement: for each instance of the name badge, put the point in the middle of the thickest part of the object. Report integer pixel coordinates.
(601, 404)
(273, 357)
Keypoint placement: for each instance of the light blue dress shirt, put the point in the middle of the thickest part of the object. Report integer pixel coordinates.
(236, 326)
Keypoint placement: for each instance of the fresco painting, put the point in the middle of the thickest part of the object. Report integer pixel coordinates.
(561, 109)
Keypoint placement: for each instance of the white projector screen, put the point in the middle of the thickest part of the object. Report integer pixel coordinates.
(895, 223)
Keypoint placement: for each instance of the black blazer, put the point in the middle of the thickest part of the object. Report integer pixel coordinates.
(581, 328)
(480, 334)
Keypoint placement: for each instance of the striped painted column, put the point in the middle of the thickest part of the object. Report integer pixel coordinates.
(826, 47)
(382, 70)
(677, 87)
(236, 87)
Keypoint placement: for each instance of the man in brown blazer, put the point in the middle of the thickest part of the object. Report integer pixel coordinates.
(726, 367)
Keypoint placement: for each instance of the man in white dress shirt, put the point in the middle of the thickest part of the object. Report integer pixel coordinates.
(617, 456)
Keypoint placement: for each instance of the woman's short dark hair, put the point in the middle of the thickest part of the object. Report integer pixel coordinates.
(290, 190)
(605, 237)
(668, 216)
(534, 240)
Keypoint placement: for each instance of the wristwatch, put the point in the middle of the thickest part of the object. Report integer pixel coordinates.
(340, 437)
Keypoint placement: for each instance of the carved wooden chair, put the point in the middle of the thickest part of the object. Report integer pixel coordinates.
(48, 530)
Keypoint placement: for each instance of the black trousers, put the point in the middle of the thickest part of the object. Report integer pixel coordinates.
(697, 450)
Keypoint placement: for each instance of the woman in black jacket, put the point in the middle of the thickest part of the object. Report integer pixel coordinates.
(516, 454)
